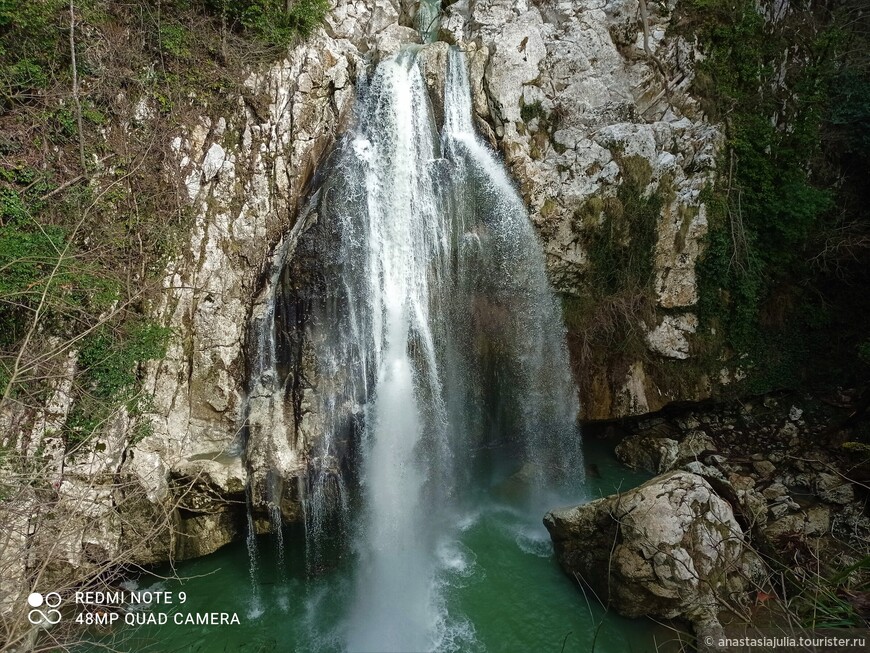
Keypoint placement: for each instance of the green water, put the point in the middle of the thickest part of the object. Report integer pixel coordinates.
(500, 585)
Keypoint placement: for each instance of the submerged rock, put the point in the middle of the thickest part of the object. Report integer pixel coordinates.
(669, 548)
(656, 455)
(662, 454)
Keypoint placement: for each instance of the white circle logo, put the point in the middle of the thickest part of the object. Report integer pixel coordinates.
(38, 617)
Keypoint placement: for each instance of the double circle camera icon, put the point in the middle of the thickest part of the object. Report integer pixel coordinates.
(38, 616)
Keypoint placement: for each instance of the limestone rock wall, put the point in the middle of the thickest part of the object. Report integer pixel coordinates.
(246, 173)
(572, 96)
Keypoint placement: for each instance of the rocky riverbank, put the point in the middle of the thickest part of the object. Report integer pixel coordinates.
(758, 512)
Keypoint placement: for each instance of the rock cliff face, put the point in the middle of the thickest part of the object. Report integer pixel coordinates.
(593, 120)
(246, 174)
(609, 152)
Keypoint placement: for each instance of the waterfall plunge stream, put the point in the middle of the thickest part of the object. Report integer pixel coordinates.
(439, 353)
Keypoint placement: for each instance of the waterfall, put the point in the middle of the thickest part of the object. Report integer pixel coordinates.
(517, 319)
(256, 607)
(437, 341)
(390, 271)
(261, 381)
(428, 349)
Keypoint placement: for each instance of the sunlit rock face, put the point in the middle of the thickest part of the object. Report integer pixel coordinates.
(575, 104)
(243, 170)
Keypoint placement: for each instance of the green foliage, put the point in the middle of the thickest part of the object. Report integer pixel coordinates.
(270, 20)
(38, 266)
(22, 76)
(821, 587)
(731, 284)
(108, 357)
(306, 15)
(62, 122)
(74, 294)
(773, 87)
(29, 46)
(620, 250)
(34, 52)
(12, 207)
(850, 111)
(778, 201)
(80, 253)
(529, 112)
(175, 40)
(619, 234)
(548, 125)
(108, 366)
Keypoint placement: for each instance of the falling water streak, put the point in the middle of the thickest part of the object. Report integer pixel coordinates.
(536, 339)
(389, 245)
(428, 18)
(276, 521)
(277, 527)
(263, 379)
(256, 608)
(262, 373)
(339, 400)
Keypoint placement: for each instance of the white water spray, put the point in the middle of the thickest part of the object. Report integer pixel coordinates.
(438, 349)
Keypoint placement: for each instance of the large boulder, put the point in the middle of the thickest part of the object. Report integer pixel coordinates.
(669, 548)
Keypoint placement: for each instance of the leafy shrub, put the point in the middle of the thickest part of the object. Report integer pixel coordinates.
(174, 39)
(619, 234)
(29, 46)
(772, 86)
(108, 365)
(529, 112)
(272, 20)
(620, 250)
(38, 266)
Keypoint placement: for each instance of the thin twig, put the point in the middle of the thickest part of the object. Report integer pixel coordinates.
(75, 85)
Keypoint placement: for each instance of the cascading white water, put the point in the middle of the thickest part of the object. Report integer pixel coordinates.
(521, 317)
(394, 147)
(439, 338)
(437, 350)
